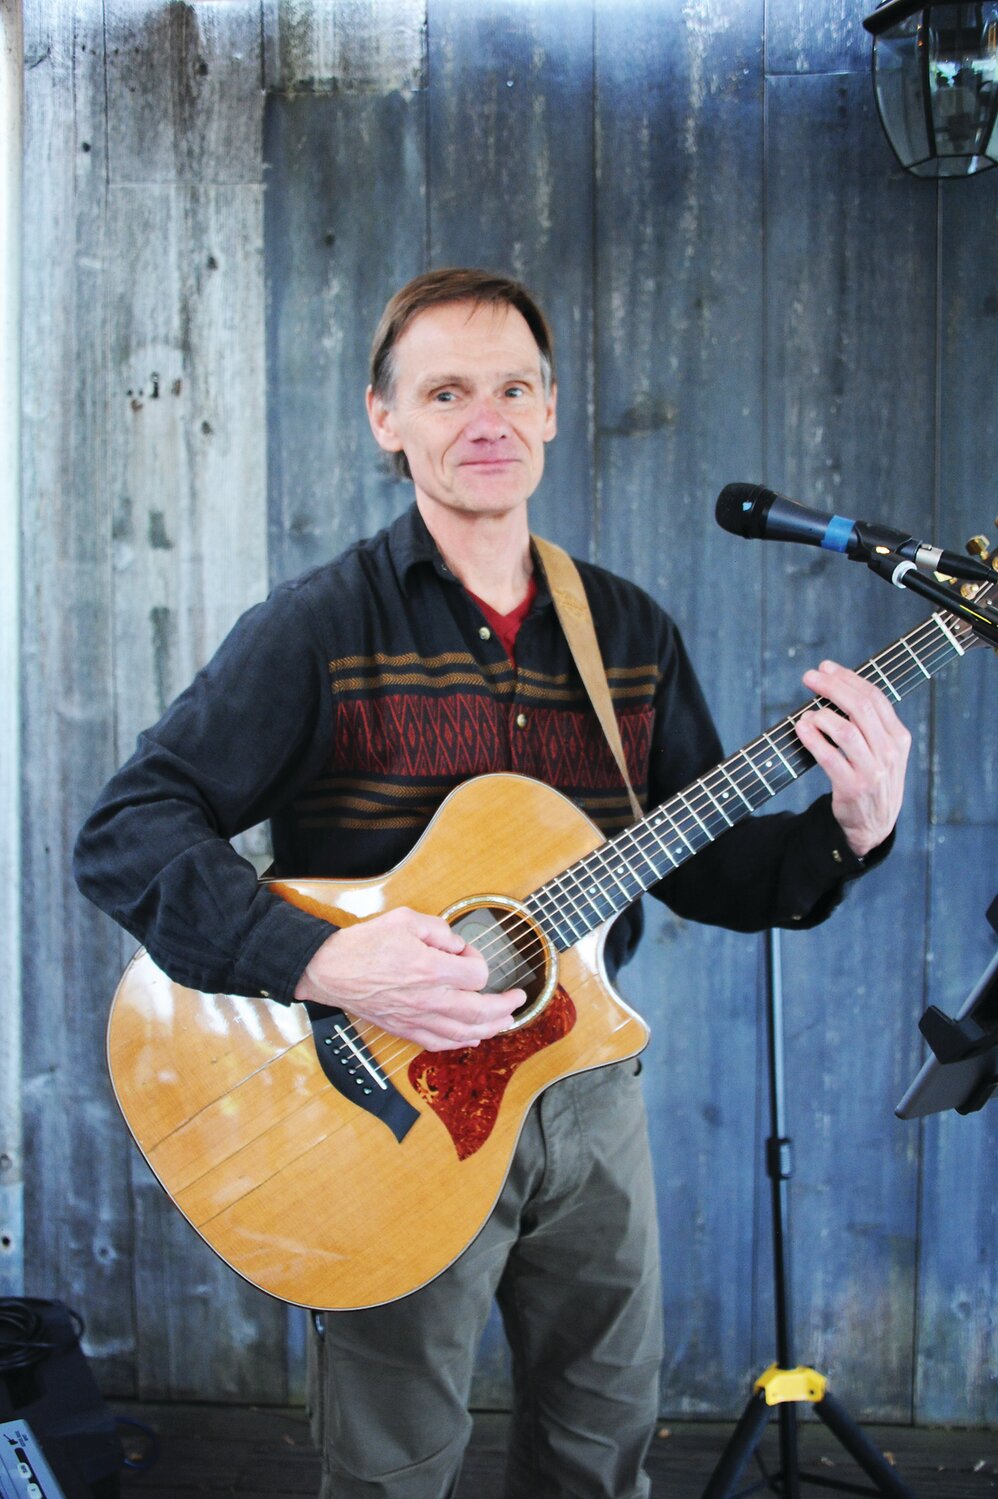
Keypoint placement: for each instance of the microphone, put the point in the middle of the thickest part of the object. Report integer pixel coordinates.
(753, 511)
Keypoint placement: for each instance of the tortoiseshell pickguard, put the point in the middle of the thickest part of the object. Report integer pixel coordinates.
(465, 1088)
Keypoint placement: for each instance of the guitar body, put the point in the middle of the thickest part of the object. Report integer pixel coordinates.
(291, 1181)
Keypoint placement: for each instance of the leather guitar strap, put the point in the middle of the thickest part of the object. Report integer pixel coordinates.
(572, 609)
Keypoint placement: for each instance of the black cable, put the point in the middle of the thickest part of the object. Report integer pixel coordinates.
(21, 1328)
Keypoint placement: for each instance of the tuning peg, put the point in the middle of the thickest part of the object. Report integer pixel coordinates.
(977, 546)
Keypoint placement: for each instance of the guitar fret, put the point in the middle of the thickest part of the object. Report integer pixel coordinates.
(938, 619)
(918, 663)
(576, 911)
(737, 788)
(563, 921)
(653, 830)
(776, 750)
(676, 828)
(717, 805)
(693, 813)
(630, 866)
(759, 774)
(636, 835)
(887, 682)
(599, 905)
(616, 879)
(595, 890)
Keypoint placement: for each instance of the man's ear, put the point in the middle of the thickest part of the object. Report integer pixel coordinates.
(382, 424)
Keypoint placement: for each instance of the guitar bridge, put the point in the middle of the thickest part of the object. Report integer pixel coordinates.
(354, 1072)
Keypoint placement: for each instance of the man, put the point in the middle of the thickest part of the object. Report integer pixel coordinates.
(344, 709)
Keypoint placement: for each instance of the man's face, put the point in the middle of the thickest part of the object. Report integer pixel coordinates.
(468, 408)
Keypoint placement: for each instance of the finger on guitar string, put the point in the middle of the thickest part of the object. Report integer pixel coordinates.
(861, 744)
(450, 1019)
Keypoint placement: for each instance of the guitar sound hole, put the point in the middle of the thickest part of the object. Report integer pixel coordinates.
(512, 947)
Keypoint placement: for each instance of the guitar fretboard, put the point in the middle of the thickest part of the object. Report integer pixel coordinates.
(614, 875)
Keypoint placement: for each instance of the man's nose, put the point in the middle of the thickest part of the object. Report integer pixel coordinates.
(486, 420)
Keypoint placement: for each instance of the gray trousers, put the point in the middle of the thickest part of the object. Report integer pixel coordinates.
(571, 1253)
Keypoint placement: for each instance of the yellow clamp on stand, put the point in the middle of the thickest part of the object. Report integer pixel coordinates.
(780, 1385)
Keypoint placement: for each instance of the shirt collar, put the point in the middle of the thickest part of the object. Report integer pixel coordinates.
(411, 545)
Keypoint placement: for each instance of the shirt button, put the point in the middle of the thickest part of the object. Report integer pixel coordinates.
(264, 993)
(521, 720)
(836, 856)
(485, 633)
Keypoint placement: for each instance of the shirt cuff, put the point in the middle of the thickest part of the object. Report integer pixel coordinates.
(279, 949)
(827, 865)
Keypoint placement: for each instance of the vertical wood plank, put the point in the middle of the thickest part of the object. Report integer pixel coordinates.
(958, 1267)
(510, 188)
(967, 790)
(187, 455)
(958, 1336)
(679, 340)
(78, 1240)
(678, 292)
(184, 91)
(11, 1133)
(344, 215)
(842, 233)
(187, 472)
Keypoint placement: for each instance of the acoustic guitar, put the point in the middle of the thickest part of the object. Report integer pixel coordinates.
(334, 1165)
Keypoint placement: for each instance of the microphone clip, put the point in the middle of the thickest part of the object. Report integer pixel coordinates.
(870, 539)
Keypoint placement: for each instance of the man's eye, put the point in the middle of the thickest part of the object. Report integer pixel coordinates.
(515, 390)
(444, 396)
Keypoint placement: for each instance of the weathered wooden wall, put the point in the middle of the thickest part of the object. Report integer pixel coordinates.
(219, 198)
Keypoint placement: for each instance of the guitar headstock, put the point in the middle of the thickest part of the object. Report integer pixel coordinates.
(984, 593)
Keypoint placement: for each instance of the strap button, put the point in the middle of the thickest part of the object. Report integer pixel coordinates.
(521, 720)
(484, 632)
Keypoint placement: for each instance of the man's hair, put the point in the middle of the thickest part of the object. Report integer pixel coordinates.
(433, 289)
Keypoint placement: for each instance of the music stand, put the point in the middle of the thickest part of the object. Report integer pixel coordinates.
(962, 1073)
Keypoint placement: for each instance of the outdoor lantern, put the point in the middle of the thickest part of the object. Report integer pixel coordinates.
(935, 75)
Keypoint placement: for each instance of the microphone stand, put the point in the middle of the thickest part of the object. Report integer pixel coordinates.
(904, 574)
(783, 1384)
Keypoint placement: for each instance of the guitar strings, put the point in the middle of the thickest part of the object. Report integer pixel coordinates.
(782, 735)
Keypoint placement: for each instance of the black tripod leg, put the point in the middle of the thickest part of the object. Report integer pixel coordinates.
(859, 1446)
(741, 1444)
(789, 1465)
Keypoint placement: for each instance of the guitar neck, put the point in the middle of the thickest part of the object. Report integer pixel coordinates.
(611, 878)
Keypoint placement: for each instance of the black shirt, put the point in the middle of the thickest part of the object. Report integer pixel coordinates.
(345, 707)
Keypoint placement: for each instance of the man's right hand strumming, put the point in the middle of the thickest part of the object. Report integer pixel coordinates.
(410, 974)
